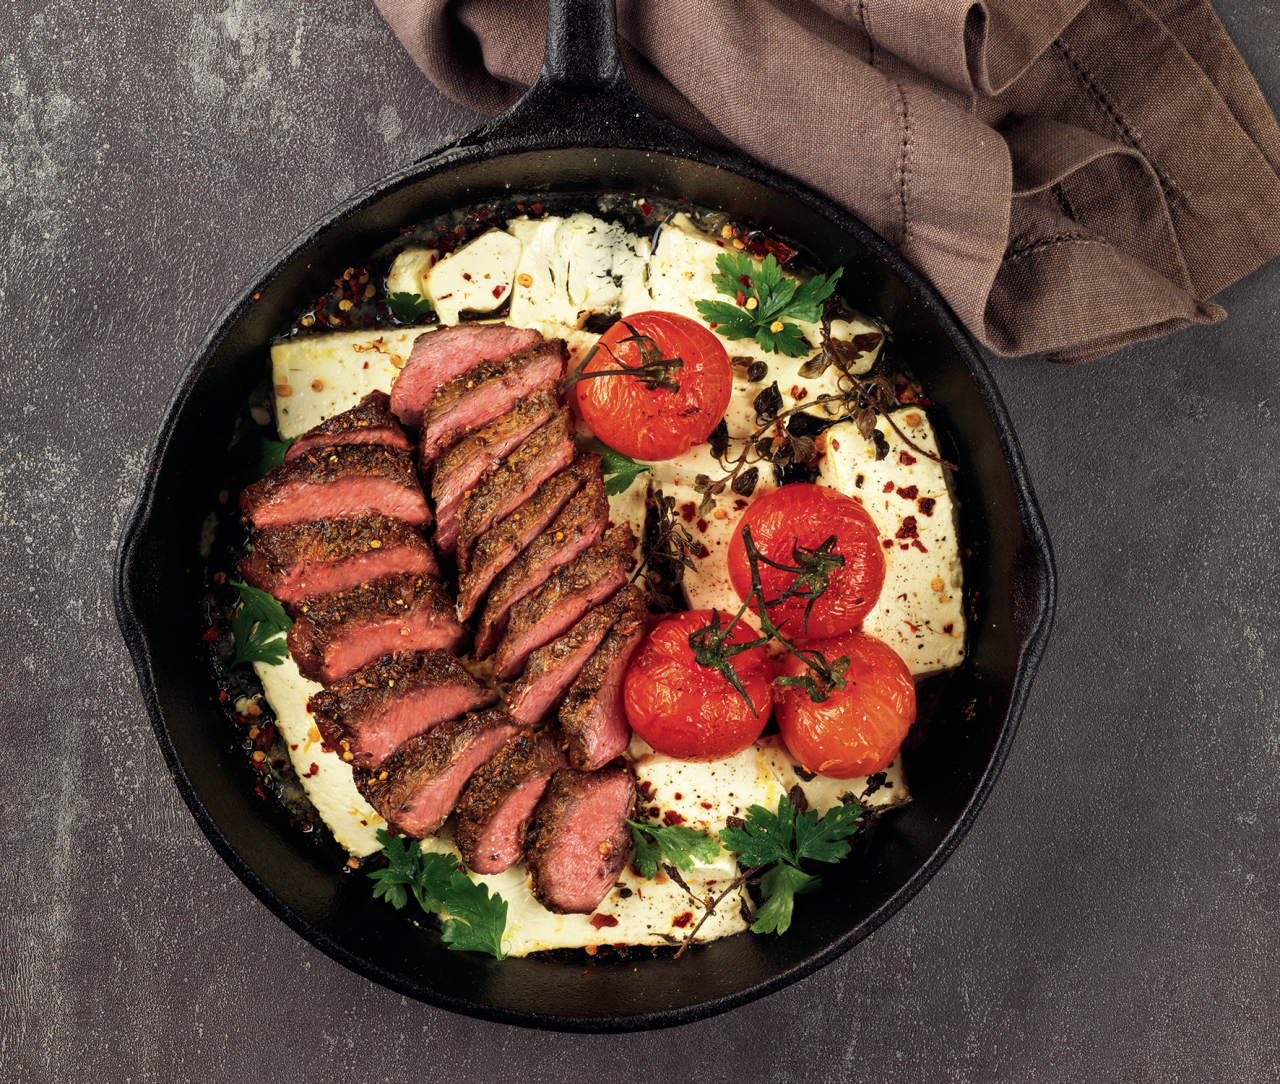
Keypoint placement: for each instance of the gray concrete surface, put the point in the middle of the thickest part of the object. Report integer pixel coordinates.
(1113, 916)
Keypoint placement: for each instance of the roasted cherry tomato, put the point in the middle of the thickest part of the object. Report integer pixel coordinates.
(690, 711)
(857, 730)
(809, 515)
(655, 423)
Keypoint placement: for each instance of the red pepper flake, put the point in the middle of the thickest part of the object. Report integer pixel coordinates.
(910, 493)
(313, 770)
(798, 393)
(222, 695)
(919, 545)
(948, 628)
(687, 511)
(702, 525)
(671, 818)
(519, 206)
(258, 791)
(645, 209)
(739, 505)
(745, 280)
(742, 299)
(679, 797)
(294, 747)
(888, 543)
(913, 628)
(497, 290)
(646, 790)
(904, 545)
(683, 920)
(835, 444)
(926, 505)
(458, 231)
(445, 297)
(366, 365)
(706, 805)
(478, 214)
(537, 208)
(906, 458)
(325, 747)
(601, 922)
(211, 633)
(654, 811)
(888, 487)
(466, 276)
(781, 252)
(908, 528)
(699, 550)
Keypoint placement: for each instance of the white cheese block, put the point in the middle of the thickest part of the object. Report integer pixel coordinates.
(822, 792)
(680, 274)
(408, 274)
(920, 613)
(318, 376)
(573, 267)
(476, 277)
(325, 776)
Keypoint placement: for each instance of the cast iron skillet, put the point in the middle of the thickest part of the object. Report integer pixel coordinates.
(582, 129)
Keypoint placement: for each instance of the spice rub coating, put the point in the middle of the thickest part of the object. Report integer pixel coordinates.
(593, 716)
(368, 422)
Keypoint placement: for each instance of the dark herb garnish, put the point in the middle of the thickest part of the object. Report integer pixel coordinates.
(669, 550)
(408, 308)
(439, 882)
(654, 371)
(765, 303)
(256, 625)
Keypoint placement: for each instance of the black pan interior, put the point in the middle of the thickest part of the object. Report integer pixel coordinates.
(1009, 582)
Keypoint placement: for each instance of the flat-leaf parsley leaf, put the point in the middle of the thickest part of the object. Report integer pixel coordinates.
(620, 470)
(681, 846)
(408, 308)
(256, 625)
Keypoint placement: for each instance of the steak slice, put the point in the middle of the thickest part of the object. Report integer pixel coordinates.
(378, 708)
(463, 466)
(498, 804)
(578, 843)
(569, 592)
(336, 482)
(498, 548)
(418, 786)
(505, 488)
(439, 355)
(304, 559)
(368, 422)
(473, 399)
(336, 634)
(593, 716)
(579, 525)
(552, 669)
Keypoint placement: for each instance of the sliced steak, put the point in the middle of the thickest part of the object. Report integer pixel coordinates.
(473, 399)
(499, 547)
(581, 524)
(593, 716)
(498, 804)
(460, 469)
(380, 707)
(331, 555)
(440, 355)
(552, 669)
(578, 843)
(502, 491)
(336, 634)
(568, 593)
(369, 422)
(417, 787)
(337, 482)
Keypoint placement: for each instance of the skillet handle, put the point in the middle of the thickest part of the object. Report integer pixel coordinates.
(582, 96)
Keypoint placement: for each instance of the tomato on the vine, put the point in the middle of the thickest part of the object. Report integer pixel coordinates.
(655, 423)
(858, 730)
(805, 514)
(689, 711)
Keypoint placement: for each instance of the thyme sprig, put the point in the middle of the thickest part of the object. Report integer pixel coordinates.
(654, 370)
(669, 550)
(711, 644)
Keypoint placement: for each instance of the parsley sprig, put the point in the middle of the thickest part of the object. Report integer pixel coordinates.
(777, 843)
(473, 920)
(408, 308)
(620, 470)
(679, 845)
(256, 625)
(765, 303)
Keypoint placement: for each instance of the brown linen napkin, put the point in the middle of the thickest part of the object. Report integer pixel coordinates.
(1072, 175)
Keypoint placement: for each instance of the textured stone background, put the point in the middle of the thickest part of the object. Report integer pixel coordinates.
(1112, 917)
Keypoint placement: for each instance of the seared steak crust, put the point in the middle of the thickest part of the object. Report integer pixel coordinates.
(568, 593)
(439, 355)
(417, 788)
(475, 398)
(367, 716)
(338, 633)
(462, 467)
(579, 525)
(499, 547)
(499, 801)
(578, 844)
(593, 716)
(333, 482)
(369, 422)
(304, 559)
(553, 668)
(504, 489)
